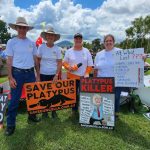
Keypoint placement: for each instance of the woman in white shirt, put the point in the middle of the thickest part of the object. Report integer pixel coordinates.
(78, 63)
(49, 59)
(104, 66)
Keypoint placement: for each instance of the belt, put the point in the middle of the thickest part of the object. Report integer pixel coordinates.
(22, 70)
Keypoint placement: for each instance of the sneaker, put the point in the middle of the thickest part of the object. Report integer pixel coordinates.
(9, 131)
(45, 115)
(54, 114)
(33, 119)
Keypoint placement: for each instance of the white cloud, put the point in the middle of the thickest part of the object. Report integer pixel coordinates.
(114, 16)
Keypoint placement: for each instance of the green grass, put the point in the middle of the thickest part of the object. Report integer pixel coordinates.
(132, 132)
(3, 79)
(148, 60)
(148, 72)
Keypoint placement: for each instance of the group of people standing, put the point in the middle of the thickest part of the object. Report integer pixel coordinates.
(28, 64)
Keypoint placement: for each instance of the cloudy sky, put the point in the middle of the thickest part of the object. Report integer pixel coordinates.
(92, 18)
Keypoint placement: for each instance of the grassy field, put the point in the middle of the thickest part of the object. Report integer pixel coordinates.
(132, 132)
(3, 79)
(148, 60)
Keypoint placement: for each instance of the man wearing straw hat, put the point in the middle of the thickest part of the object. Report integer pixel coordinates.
(49, 59)
(21, 60)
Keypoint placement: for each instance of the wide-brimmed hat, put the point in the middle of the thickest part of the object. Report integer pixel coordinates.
(50, 30)
(21, 21)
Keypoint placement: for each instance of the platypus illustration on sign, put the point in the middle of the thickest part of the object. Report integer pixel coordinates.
(52, 101)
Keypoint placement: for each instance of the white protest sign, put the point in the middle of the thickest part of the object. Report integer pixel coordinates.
(129, 67)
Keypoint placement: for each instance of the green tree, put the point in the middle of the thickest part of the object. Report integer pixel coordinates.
(4, 35)
(96, 45)
(138, 35)
(87, 45)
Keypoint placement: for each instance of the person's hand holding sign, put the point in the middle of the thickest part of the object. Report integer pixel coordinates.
(38, 78)
(55, 78)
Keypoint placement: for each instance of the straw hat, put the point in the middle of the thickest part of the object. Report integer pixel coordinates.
(21, 21)
(50, 31)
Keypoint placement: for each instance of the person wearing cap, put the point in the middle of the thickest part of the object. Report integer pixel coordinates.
(78, 63)
(49, 59)
(21, 60)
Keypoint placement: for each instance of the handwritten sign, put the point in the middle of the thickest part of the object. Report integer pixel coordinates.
(97, 102)
(3, 104)
(48, 96)
(129, 68)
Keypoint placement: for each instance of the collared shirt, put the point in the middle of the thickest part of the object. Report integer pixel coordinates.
(22, 51)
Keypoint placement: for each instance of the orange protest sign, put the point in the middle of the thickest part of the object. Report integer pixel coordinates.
(48, 96)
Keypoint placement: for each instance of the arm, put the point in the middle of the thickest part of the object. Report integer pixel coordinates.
(70, 68)
(95, 72)
(37, 67)
(12, 81)
(59, 66)
(89, 67)
(88, 70)
(66, 62)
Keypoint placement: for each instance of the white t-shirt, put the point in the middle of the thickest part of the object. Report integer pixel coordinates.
(22, 51)
(49, 57)
(105, 62)
(79, 56)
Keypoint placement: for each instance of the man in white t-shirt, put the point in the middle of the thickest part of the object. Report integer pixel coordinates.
(78, 63)
(49, 59)
(21, 60)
